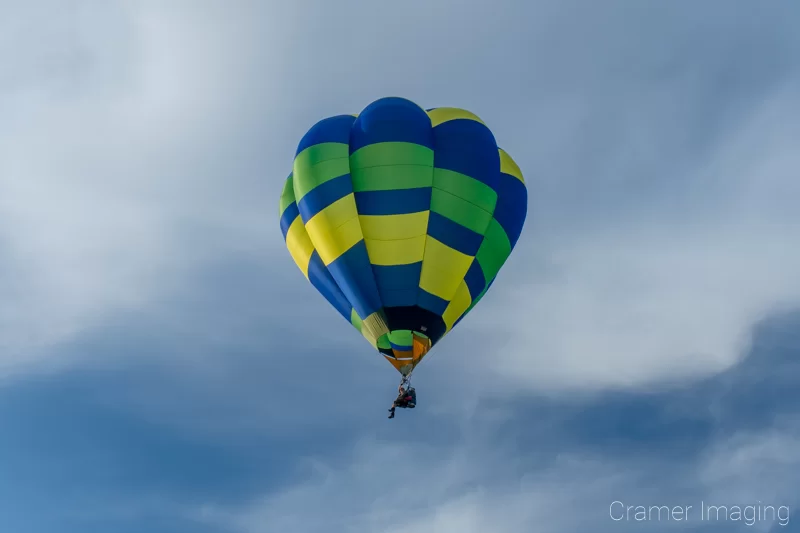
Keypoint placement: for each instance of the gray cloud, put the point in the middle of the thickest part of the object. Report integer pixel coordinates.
(557, 465)
(114, 182)
(142, 151)
(150, 142)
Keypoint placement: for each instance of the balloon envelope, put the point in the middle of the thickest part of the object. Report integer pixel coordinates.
(401, 218)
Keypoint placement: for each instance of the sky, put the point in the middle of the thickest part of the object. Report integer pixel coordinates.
(165, 367)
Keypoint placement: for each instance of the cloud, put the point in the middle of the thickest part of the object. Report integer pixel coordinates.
(628, 311)
(388, 487)
(385, 486)
(556, 465)
(147, 140)
(142, 150)
(112, 174)
(753, 467)
(643, 288)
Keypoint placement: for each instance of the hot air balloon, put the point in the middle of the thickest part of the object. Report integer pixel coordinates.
(401, 218)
